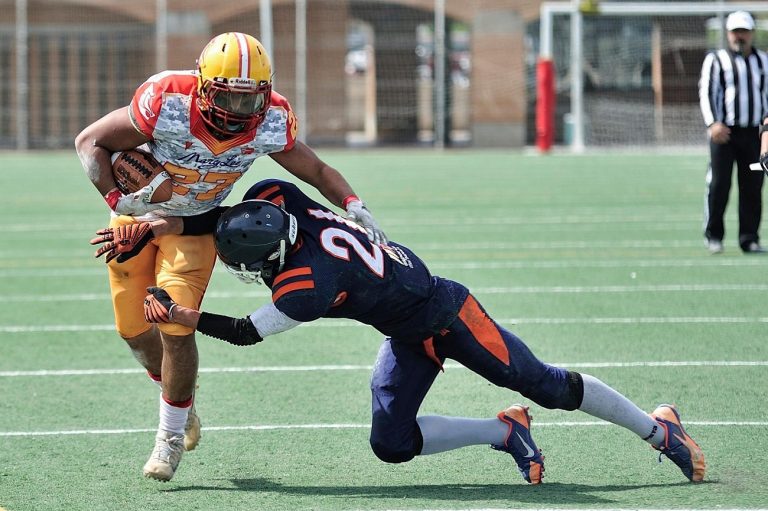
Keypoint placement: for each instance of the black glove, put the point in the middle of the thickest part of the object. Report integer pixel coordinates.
(764, 161)
(124, 242)
(158, 306)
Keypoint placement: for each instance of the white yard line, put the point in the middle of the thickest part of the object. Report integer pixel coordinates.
(17, 329)
(264, 293)
(100, 271)
(269, 427)
(364, 367)
(630, 264)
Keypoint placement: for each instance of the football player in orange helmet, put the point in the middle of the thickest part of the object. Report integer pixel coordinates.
(206, 126)
(230, 99)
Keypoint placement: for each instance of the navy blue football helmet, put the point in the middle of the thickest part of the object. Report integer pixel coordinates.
(252, 238)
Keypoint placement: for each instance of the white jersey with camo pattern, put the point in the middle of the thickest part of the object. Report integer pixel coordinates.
(203, 168)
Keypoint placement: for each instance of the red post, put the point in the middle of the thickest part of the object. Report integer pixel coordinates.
(545, 104)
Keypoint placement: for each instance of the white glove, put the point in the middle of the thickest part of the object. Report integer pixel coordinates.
(358, 213)
(136, 203)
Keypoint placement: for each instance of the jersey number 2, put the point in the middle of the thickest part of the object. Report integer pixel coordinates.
(373, 259)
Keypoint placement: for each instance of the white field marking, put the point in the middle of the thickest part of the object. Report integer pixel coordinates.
(88, 297)
(702, 262)
(651, 288)
(584, 217)
(268, 427)
(20, 329)
(359, 367)
(606, 263)
(439, 246)
(547, 245)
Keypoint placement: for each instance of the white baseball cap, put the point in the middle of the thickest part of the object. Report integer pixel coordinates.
(740, 19)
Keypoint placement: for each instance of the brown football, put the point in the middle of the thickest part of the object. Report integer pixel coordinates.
(135, 169)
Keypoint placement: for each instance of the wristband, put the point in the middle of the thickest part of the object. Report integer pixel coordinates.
(170, 312)
(112, 197)
(349, 199)
(763, 129)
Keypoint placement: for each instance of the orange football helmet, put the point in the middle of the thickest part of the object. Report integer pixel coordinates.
(234, 83)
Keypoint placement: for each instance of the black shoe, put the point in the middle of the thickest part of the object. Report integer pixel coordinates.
(753, 248)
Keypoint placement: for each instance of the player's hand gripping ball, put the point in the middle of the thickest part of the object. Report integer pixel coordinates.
(135, 170)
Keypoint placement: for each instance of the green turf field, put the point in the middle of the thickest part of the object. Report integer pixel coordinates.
(597, 262)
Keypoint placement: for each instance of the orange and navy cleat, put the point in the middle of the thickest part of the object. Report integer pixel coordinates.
(677, 445)
(519, 443)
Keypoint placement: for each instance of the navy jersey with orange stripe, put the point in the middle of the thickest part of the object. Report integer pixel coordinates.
(334, 271)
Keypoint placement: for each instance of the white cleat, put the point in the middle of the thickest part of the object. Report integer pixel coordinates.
(192, 430)
(165, 458)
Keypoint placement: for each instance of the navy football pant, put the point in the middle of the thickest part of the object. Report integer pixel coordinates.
(404, 372)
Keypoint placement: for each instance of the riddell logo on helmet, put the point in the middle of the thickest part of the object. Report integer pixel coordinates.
(245, 83)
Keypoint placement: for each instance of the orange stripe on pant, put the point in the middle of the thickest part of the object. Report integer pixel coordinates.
(484, 329)
(429, 349)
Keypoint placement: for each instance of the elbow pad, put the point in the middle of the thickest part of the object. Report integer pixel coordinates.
(239, 332)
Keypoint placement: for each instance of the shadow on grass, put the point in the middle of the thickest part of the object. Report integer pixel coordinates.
(546, 493)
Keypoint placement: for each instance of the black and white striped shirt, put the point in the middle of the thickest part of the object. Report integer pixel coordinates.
(733, 89)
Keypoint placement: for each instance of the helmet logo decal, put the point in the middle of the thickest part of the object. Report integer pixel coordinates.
(293, 229)
(242, 83)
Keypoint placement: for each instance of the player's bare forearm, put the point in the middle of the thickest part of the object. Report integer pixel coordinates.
(302, 162)
(96, 143)
(170, 225)
(185, 316)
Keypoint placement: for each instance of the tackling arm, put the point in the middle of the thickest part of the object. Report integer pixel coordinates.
(160, 308)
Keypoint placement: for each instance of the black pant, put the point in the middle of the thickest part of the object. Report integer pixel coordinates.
(744, 148)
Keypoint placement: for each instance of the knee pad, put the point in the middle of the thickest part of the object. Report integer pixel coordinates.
(557, 389)
(389, 450)
(388, 455)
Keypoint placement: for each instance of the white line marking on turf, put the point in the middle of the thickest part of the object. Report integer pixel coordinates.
(363, 367)
(59, 273)
(553, 245)
(269, 427)
(640, 288)
(23, 254)
(16, 329)
(576, 218)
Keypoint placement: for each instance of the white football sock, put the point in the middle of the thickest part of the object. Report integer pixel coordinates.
(605, 403)
(447, 433)
(172, 418)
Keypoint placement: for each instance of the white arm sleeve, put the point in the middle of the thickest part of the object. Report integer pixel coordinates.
(268, 320)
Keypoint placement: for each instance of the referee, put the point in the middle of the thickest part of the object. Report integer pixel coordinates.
(733, 95)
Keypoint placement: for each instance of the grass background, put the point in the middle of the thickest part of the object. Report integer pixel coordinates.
(595, 261)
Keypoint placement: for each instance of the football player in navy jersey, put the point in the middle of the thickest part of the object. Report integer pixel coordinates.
(319, 264)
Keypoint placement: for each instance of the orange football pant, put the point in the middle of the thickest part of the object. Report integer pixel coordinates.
(182, 265)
